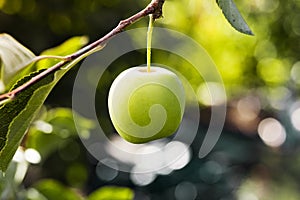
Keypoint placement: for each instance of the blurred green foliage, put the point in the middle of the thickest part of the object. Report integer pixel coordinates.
(51, 189)
(56, 129)
(112, 193)
(261, 77)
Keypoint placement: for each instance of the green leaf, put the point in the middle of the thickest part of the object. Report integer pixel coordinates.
(233, 16)
(14, 57)
(105, 193)
(54, 190)
(14, 122)
(71, 45)
(17, 115)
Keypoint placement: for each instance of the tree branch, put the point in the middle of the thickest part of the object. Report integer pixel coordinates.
(154, 7)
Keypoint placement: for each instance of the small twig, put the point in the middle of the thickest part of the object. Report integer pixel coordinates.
(154, 8)
(42, 57)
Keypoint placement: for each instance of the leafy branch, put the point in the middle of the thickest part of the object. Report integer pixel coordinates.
(154, 8)
(29, 87)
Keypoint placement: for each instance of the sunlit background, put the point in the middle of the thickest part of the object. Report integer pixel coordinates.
(257, 156)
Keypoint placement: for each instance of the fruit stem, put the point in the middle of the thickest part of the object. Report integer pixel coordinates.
(149, 40)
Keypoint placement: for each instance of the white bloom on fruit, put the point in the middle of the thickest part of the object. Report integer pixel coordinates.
(145, 106)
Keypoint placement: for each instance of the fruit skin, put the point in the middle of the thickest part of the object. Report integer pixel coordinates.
(146, 106)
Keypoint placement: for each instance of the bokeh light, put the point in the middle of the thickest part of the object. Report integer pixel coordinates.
(43, 126)
(107, 171)
(141, 179)
(265, 49)
(32, 156)
(34, 194)
(272, 132)
(248, 196)
(150, 158)
(278, 96)
(76, 174)
(11, 8)
(249, 107)
(267, 6)
(295, 72)
(273, 71)
(295, 24)
(244, 114)
(160, 156)
(295, 118)
(211, 172)
(21, 165)
(177, 155)
(19, 155)
(146, 161)
(211, 94)
(185, 191)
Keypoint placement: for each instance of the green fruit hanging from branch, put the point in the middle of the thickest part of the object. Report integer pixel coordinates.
(146, 104)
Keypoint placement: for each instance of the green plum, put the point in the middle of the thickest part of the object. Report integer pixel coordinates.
(146, 106)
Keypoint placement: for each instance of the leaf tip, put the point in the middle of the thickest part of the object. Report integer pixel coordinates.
(251, 33)
(247, 32)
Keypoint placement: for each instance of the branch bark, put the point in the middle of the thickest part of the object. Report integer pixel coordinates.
(154, 8)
